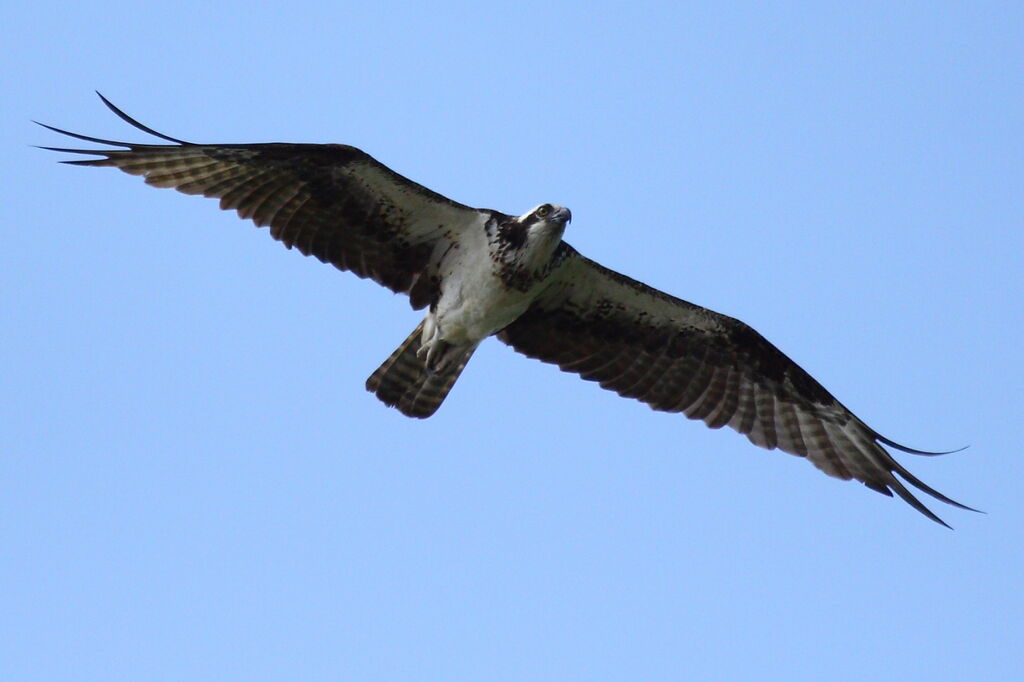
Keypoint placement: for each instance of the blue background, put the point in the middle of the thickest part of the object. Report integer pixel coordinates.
(195, 485)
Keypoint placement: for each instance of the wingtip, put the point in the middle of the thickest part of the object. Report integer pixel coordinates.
(110, 105)
(913, 451)
(131, 121)
(894, 486)
(78, 136)
(959, 506)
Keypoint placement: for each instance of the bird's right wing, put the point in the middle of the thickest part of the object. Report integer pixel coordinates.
(331, 201)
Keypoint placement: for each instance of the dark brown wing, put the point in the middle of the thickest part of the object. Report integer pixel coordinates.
(679, 357)
(330, 201)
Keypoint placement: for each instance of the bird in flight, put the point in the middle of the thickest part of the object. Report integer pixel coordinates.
(481, 273)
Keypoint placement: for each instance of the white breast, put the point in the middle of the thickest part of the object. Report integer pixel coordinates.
(475, 303)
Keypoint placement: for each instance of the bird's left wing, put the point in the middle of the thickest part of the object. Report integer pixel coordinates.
(331, 201)
(678, 357)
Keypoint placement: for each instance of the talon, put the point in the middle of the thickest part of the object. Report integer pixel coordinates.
(436, 353)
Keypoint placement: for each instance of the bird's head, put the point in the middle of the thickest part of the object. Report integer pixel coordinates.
(548, 213)
(533, 236)
(546, 221)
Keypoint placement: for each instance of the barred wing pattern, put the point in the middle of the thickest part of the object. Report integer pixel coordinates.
(331, 201)
(679, 357)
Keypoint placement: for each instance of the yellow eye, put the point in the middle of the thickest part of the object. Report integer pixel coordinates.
(544, 210)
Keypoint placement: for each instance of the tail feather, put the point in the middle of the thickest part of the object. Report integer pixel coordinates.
(403, 381)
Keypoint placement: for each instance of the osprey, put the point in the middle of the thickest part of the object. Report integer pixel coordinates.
(481, 273)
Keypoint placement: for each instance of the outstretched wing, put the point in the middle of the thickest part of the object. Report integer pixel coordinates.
(679, 357)
(331, 201)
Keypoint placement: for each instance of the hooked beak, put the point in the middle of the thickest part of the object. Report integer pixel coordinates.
(563, 214)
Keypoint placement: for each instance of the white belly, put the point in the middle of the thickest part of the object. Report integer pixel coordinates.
(475, 303)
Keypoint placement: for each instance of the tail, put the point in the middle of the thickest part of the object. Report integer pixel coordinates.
(405, 382)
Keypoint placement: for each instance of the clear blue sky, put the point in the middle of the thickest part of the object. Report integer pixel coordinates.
(194, 484)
